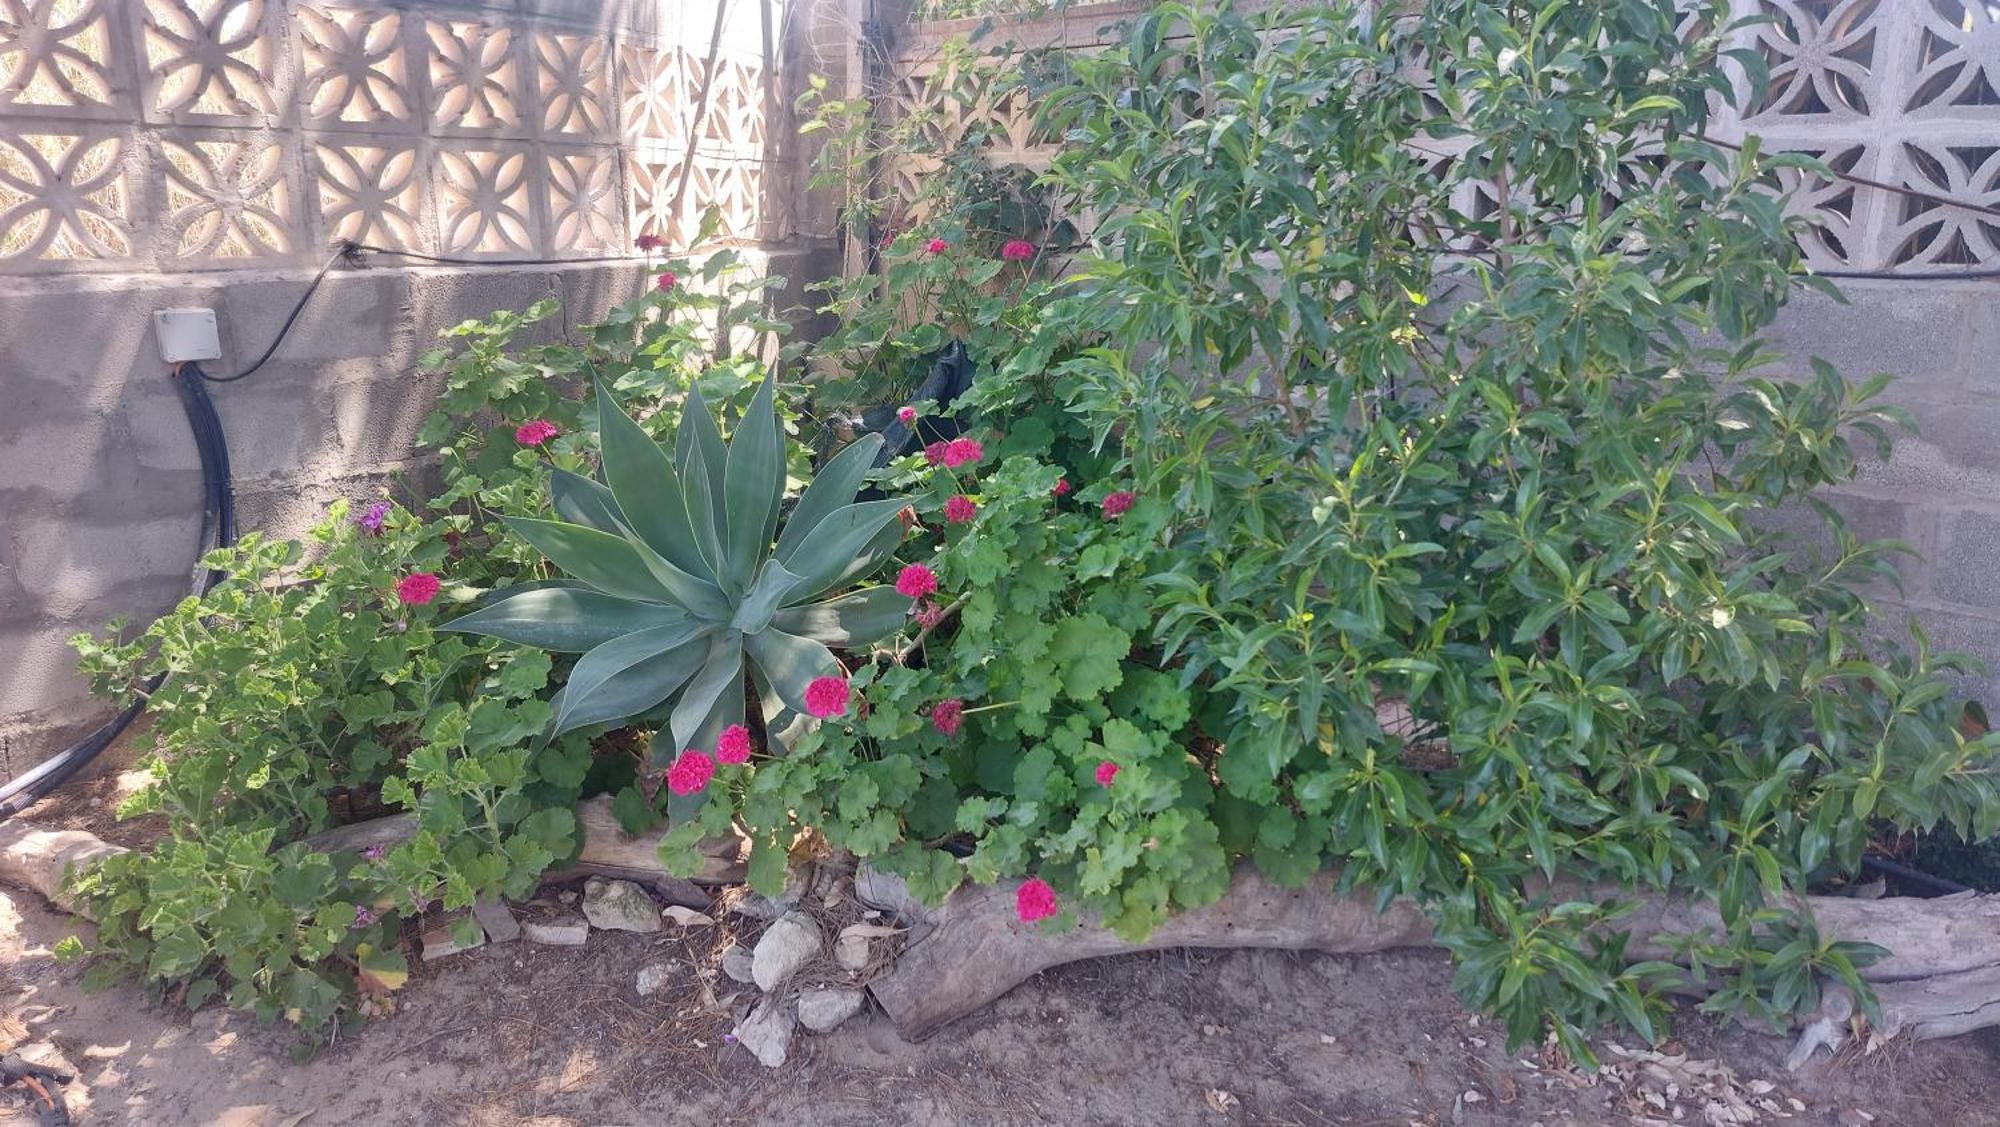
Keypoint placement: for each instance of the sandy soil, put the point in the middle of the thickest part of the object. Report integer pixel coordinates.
(523, 1034)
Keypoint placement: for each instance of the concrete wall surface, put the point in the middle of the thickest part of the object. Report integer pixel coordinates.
(100, 485)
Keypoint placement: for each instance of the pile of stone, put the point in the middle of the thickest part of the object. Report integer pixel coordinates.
(806, 973)
(606, 905)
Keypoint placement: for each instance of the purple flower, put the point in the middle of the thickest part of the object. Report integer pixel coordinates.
(362, 916)
(371, 518)
(375, 852)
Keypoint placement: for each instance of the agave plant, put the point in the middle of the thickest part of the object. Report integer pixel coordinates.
(681, 582)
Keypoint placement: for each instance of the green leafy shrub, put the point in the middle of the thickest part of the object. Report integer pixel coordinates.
(312, 688)
(305, 693)
(1449, 480)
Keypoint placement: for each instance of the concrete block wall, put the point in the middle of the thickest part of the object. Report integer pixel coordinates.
(100, 485)
(1941, 490)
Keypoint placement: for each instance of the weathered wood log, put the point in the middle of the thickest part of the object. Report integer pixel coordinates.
(42, 860)
(725, 860)
(1941, 978)
(608, 851)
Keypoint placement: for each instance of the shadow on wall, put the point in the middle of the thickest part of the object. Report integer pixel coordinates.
(100, 483)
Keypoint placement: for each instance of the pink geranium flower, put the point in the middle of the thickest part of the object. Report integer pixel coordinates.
(733, 746)
(916, 581)
(1035, 900)
(937, 246)
(827, 697)
(1018, 250)
(1062, 487)
(536, 432)
(1117, 504)
(1107, 773)
(417, 588)
(960, 509)
(934, 453)
(649, 242)
(906, 415)
(960, 451)
(947, 715)
(690, 772)
(666, 281)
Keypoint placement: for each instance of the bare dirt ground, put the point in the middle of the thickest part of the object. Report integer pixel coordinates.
(519, 1034)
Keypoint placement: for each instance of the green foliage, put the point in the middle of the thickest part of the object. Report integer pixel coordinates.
(301, 692)
(684, 581)
(1532, 519)
(304, 693)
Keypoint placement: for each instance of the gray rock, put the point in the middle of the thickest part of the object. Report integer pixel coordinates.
(567, 932)
(736, 963)
(498, 921)
(619, 905)
(757, 906)
(822, 1011)
(767, 1032)
(653, 978)
(851, 952)
(439, 940)
(790, 943)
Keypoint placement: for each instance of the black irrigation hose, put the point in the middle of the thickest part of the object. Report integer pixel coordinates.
(218, 529)
(1926, 884)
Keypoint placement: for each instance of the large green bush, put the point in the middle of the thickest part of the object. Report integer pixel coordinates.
(1430, 352)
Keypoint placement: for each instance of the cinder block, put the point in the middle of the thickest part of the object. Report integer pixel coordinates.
(276, 427)
(438, 301)
(377, 420)
(293, 509)
(71, 567)
(1917, 333)
(351, 315)
(1951, 631)
(589, 291)
(1967, 570)
(38, 678)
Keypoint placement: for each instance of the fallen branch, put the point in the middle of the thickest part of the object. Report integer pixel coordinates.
(1941, 978)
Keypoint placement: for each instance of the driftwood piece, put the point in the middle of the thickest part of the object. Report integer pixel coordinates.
(42, 860)
(608, 851)
(606, 846)
(357, 836)
(1942, 977)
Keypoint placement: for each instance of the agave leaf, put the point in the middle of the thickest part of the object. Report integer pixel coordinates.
(834, 487)
(854, 619)
(604, 560)
(830, 550)
(628, 675)
(753, 485)
(697, 436)
(762, 600)
(580, 500)
(707, 696)
(699, 490)
(869, 558)
(564, 619)
(783, 725)
(648, 491)
(698, 595)
(790, 663)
